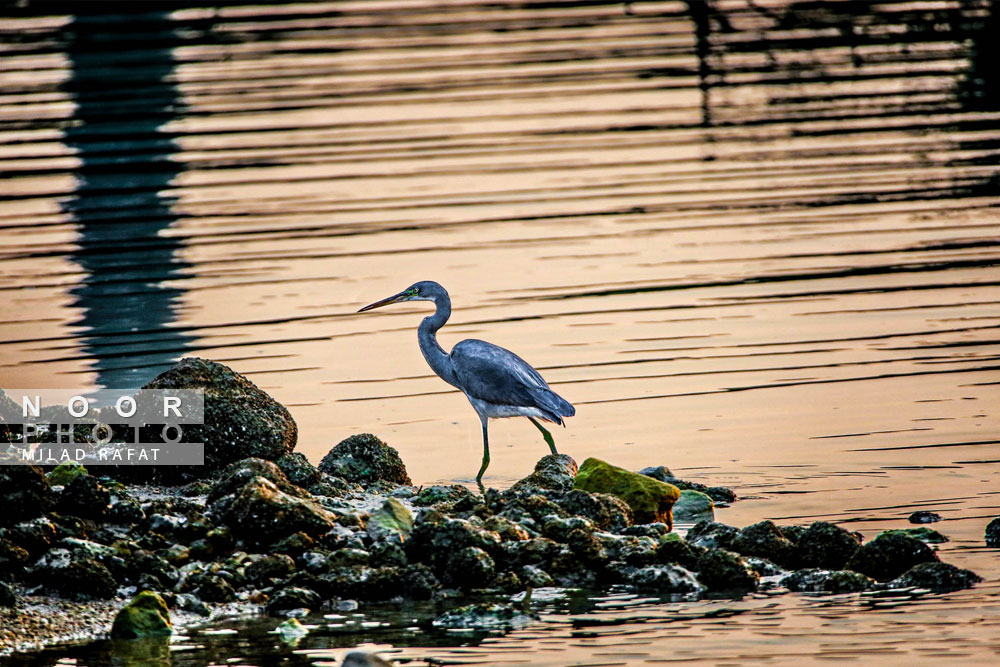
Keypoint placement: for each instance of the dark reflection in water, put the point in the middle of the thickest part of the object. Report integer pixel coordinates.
(121, 66)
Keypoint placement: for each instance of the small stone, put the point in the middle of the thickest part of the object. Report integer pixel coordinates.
(694, 506)
(291, 630)
(711, 534)
(820, 580)
(363, 659)
(483, 617)
(145, 616)
(666, 579)
(923, 516)
(721, 570)
(293, 597)
(650, 500)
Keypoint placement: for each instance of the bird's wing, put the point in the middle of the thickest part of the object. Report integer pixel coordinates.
(490, 373)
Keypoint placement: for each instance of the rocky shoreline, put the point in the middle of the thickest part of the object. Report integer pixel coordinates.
(269, 532)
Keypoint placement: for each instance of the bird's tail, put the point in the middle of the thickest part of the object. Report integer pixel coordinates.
(553, 405)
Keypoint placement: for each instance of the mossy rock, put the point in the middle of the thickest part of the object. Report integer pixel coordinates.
(145, 616)
(650, 500)
(393, 521)
(65, 472)
(924, 534)
(365, 459)
(694, 506)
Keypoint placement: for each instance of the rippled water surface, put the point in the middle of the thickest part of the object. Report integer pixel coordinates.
(757, 242)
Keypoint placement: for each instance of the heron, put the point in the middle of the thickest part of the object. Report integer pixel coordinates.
(497, 382)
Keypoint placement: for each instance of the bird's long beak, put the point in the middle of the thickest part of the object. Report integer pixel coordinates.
(395, 298)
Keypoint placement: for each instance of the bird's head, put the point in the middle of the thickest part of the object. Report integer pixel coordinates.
(425, 290)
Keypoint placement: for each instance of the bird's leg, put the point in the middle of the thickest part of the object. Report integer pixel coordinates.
(486, 457)
(545, 434)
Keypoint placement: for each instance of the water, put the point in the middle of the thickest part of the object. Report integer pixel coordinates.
(755, 242)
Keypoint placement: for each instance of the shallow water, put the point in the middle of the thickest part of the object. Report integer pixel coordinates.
(756, 242)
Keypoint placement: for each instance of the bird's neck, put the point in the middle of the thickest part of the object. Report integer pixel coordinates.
(437, 358)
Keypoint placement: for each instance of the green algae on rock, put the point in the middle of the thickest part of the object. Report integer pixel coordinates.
(694, 506)
(924, 534)
(393, 521)
(145, 616)
(650, 500)
(65, 472)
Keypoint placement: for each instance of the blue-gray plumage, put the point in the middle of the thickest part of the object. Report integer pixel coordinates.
(496, 381)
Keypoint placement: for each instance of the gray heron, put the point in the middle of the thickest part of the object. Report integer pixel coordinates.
(497, 382)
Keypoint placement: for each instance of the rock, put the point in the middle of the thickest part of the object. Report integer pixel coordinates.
(365, 459)
(483, 616)
(347, 557)
(291, 630)
(215, 588)
(470, 568)
(262, 514)
(7, 595)
(721, 570)
(553, 472)
(534, 576)
(825, 545)
(393, 521)
(85, 497)
(993, 533)
(235, 476)
(654, 530)
(890, 555)
(928, 535)
(673, 548)
(650, 500)
(559, 528)
(386, 554)
(65, 472)
(719, 494)
(938, 577)
(711, 534)
(508, 530)
(820, 580)
(12, 560)
(764, 539)
(74, 575)
(146, 615)
(294, 545)
(606, 511)
(432, 495)
(267, 569)
(241, 421)
(35, 536)
(25, 492)
(434, 542)
(293, 597)
(299, 470)
(362, 659)
(666, 579)
(923, 516)
(199, 487)
(124, 511)
(419, 583)
(694, 506)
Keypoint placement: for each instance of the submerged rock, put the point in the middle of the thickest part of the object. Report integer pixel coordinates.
(826, 545)
(241, 420)
(650, 500)
(554, 472)
(928, 535)
(365, 459)
(262, 514)
(668, 579)
(25, 492)
(890, 555)
(145, 616)
(721, 570)
(993, 533)
(938, 577)
(483, 617)
(923, 516)
(719, 494)
(828, 581)
(694, 506)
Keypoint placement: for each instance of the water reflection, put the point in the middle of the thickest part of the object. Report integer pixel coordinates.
(121, 67)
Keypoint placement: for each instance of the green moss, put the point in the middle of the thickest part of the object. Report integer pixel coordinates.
(694, 506)
(145, 616)
(650, 500)
(392, 520)
(923, 534)
(65, 472)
